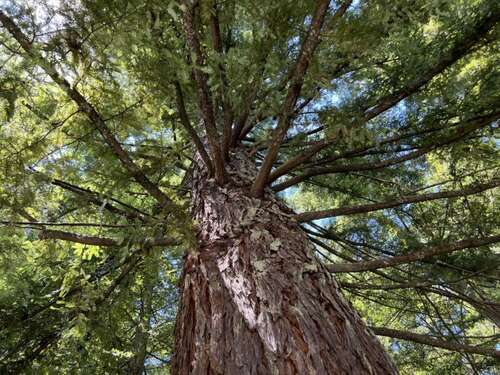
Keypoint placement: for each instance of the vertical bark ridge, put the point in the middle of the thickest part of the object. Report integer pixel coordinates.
(255, 300)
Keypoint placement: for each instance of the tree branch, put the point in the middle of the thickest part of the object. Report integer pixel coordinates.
(77, 238)
(224, 87)
(93, 197)
(297, 79)
(181, 109)
(204, 96)
(459, 134)
(100, 241)
(412, 257)
(85, 107)
(309, 216)
(241, 129)
(431, 341)
(300, 159)
(459, 50)
(38, 224)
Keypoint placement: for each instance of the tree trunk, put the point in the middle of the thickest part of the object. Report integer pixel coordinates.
(255, 300)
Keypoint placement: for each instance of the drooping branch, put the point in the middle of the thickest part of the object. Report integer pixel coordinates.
(432, 341)
(451, 289)
(313, 215)
(110, 264)
(85, 107)
(487, 308)
(407, 285)
(46, 234)
(101, 241)
(76, 238)
(415, 256)
(327, 234)
(297, 79)
(128, 266)
(204, 96)
(136, 364)
(94, 197)
(39, 224)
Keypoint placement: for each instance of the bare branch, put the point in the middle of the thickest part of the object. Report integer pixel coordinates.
(414, 256)
(431, 341)
(308, 216)
(94, 197)
(100, 241)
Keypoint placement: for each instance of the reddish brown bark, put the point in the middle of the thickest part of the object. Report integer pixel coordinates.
(254, 298)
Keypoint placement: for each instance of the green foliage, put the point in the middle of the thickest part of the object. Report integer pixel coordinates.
(67, 306)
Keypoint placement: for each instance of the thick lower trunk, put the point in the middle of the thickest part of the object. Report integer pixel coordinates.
(255, 300)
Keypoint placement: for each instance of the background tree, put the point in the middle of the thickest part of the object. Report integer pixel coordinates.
(278, 153)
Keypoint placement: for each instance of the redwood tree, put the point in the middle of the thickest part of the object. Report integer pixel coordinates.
(286, 164)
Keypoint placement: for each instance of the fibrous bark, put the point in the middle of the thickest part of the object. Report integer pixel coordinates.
(254, 298)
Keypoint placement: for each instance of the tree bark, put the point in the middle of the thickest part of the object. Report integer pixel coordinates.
(254, 299)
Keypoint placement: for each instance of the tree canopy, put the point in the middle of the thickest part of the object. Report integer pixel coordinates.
(375, 121)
